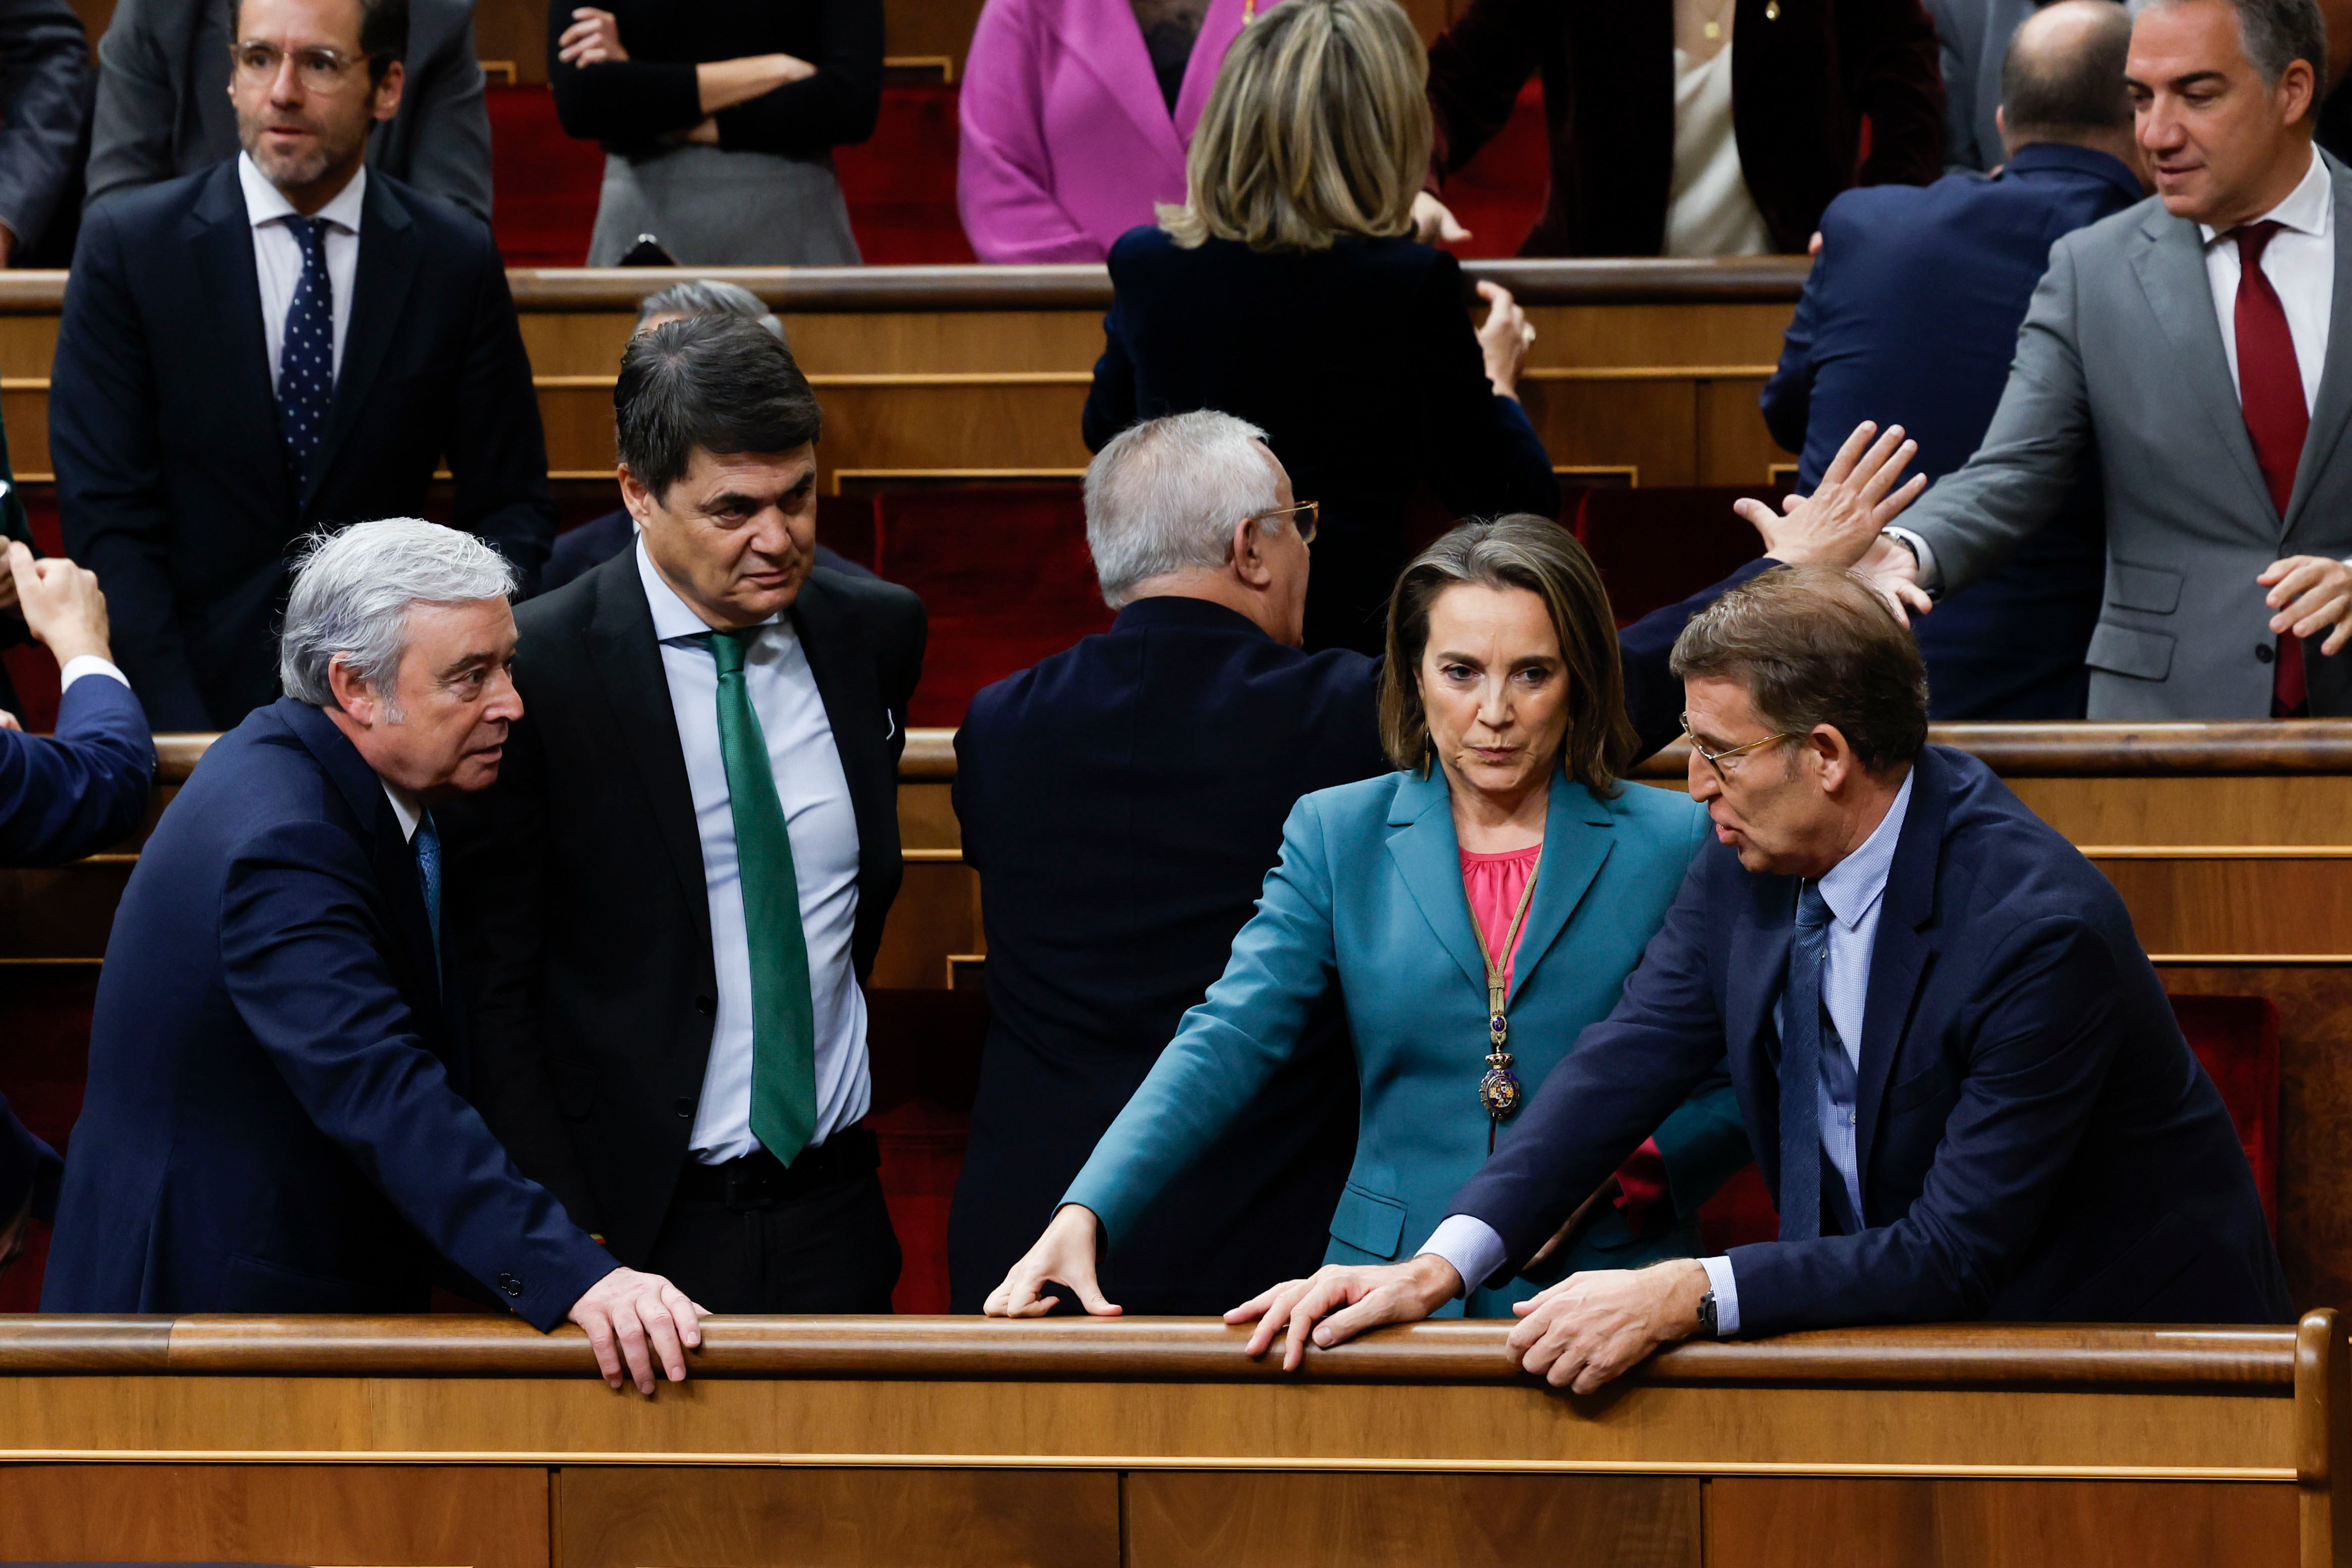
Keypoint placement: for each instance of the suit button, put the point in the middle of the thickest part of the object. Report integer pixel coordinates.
(509, 1284)
(2264, 651)
(706, 1006)
(682, 1106)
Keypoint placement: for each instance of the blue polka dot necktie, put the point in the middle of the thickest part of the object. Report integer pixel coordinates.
(427, 846)
(306, 361)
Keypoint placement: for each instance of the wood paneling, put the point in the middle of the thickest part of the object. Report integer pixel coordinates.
(737, 1517)
(2203, 811)
(1201, 1519)
(439, 1516)
(2237, 906)
(1836, 1523)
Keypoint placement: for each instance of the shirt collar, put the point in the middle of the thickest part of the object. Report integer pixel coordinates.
(674, 619)
(1853, 885)
(404, 806)
(2309, 208)
(266, 204)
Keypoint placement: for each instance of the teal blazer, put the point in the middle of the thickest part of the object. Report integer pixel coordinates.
(1368, 899)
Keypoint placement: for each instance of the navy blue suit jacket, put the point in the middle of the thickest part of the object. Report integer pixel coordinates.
(62, 797)
(274, 1121)
(172, 483)
(1123, 801)
(1359, 363)
(2037, 1141)
(1910, 316)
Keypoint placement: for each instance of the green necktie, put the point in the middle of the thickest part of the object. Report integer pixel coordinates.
(784, 1017)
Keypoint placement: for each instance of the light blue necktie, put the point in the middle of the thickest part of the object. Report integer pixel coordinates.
(427, 845)
(306, 360)
(1802, 1050)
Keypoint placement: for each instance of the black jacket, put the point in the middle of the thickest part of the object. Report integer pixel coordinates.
(593, 985)
(1360, 365)
(172, 481)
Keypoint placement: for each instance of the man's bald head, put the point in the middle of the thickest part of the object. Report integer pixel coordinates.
(2063, 78)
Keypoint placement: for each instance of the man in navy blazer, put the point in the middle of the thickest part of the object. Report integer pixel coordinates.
(1912, 311)
(61, 796)
(1959, 1072)
(1123, 801)
(286, 340)
(275, 1120)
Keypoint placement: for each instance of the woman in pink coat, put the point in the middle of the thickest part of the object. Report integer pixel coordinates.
(1076, 114)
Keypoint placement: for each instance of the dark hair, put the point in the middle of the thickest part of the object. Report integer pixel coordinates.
(1518, 551)
(383, 33)
(2274, 34)
(1816, 647)
(2072, 85)
(719, 383)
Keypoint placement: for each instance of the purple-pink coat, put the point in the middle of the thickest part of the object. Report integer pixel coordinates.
(1067, 143)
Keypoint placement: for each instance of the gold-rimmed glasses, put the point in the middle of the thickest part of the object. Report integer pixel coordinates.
(1303, 516)
(1715, 759)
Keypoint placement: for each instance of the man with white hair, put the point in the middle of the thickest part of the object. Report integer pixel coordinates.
(275, 1120)
(1123, 801)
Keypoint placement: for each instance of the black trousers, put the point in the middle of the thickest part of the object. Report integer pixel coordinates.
(751, 1237)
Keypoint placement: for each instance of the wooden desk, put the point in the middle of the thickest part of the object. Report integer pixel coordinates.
(1152, 1442)
(1643, 371)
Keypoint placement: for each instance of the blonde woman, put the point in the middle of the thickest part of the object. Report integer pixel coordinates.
(1288, 291)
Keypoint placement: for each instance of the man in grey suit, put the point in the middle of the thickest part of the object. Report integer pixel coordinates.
(2191, 349)
(164, 108)
(45, 89)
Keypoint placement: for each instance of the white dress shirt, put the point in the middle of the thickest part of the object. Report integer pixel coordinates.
(2300, 262)
(277, 254)
(822, 826)
(1855, 891)
(1709, 209)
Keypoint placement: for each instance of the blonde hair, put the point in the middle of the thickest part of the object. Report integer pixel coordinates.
(1318, 126)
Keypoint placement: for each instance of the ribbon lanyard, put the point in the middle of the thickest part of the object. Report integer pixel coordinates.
(1498, 1089)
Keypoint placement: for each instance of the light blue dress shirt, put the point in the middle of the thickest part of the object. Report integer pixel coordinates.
(1855, 889)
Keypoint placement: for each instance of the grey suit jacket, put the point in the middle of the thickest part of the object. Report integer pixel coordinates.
(45, 93)
(164, 108)
(1974, 37)
(2120, 364)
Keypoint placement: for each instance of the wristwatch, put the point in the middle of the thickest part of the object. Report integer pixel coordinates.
(1706, 1315)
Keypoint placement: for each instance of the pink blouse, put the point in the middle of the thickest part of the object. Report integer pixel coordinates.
(1493, 885)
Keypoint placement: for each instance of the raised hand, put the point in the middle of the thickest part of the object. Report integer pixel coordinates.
(1841, 523)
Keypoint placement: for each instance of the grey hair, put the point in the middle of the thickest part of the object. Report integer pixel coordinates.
(710, 297)
(1165, 494)
(352, 595)
(2275, 34)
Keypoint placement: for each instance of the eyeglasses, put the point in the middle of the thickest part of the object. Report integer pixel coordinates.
(1715, 759)
(1303, 517)
(318, 68)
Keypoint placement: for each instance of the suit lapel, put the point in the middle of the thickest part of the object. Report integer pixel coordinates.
(1900, 956)
(380, 285)
(1579, 833)
(219, 236)
(2170, 267)
(620, 642)
(1106, 40)
(853, 707)
(1428, 858)
(2333, 404)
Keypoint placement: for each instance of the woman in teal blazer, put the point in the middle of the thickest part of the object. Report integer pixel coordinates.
(1503, 691)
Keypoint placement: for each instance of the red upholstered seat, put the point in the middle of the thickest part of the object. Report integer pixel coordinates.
(543, 183)
(925, 1047)
(1004, 572)
(2237, 1039)
(1499, 194)
(1657, 546)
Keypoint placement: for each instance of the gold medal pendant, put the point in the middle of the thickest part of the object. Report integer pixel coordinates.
(1498, 1089)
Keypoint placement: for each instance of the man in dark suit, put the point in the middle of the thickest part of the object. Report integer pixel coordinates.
(1123, 802)
(683, 873)
(45, 84)
(163, 100)
(1912, 311)
(288, 339)
(1959, 1072)
(63, 795)
(274, 1121)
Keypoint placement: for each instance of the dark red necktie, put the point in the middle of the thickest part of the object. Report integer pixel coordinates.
(2270, 390)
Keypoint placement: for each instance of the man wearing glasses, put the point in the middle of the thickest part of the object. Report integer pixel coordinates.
(1123, 801)
(286, 340)
(1958, 1069)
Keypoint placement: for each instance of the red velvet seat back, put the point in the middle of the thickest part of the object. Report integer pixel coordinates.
(1657, 547)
